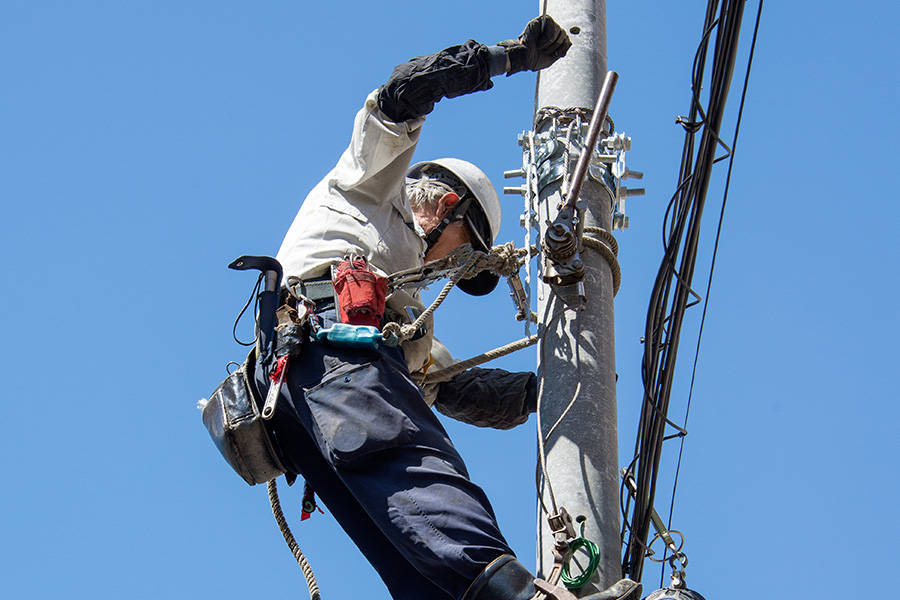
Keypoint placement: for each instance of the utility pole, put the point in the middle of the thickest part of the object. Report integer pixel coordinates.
(576, 357)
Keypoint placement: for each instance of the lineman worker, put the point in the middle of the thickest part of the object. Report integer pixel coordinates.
(355, 423)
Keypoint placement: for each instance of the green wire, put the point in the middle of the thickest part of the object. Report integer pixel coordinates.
(593, 552)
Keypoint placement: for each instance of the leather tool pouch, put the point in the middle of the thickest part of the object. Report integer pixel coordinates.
(360, 292)
(234, 423)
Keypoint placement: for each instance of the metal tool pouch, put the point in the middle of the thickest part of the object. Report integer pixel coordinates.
(232, 417)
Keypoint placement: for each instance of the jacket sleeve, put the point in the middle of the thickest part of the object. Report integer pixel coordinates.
(488, 397)
(379, 154)
(415, 86)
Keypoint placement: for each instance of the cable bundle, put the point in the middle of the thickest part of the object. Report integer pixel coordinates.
(672, 293)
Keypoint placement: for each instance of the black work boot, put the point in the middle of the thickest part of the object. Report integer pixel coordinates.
(508, 579)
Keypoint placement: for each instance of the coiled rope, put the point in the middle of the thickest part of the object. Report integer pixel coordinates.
(291, 542)
(608, 248)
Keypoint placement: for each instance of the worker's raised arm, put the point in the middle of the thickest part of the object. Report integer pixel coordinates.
(415, 86)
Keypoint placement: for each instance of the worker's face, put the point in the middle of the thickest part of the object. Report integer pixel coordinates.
(453, 236)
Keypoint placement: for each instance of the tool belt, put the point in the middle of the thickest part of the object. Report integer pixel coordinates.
(232, 415)
(234, 422)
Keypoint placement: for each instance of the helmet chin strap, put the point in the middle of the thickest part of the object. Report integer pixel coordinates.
(457, 213)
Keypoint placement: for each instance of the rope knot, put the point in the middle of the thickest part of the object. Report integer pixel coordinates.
(502, 260)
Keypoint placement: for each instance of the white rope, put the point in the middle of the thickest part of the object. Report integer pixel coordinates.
(292, 543)
(457, 368)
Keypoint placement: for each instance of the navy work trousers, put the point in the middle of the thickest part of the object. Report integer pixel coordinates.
(356, 428)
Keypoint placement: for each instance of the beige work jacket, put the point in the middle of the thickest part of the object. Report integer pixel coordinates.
(361, 208)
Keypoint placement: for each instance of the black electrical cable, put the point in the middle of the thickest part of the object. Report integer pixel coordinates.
(672, 293)
(712, 267)
(654, 429)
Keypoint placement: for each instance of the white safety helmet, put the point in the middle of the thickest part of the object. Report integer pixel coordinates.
(485, 224)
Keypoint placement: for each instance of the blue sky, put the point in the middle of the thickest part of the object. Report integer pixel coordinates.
(145, 145)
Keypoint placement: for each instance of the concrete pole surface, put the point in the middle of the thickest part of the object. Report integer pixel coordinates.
(577, 355)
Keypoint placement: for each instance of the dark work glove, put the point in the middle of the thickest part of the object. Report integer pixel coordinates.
(415, 86)
(488, 397)
(541, 44)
